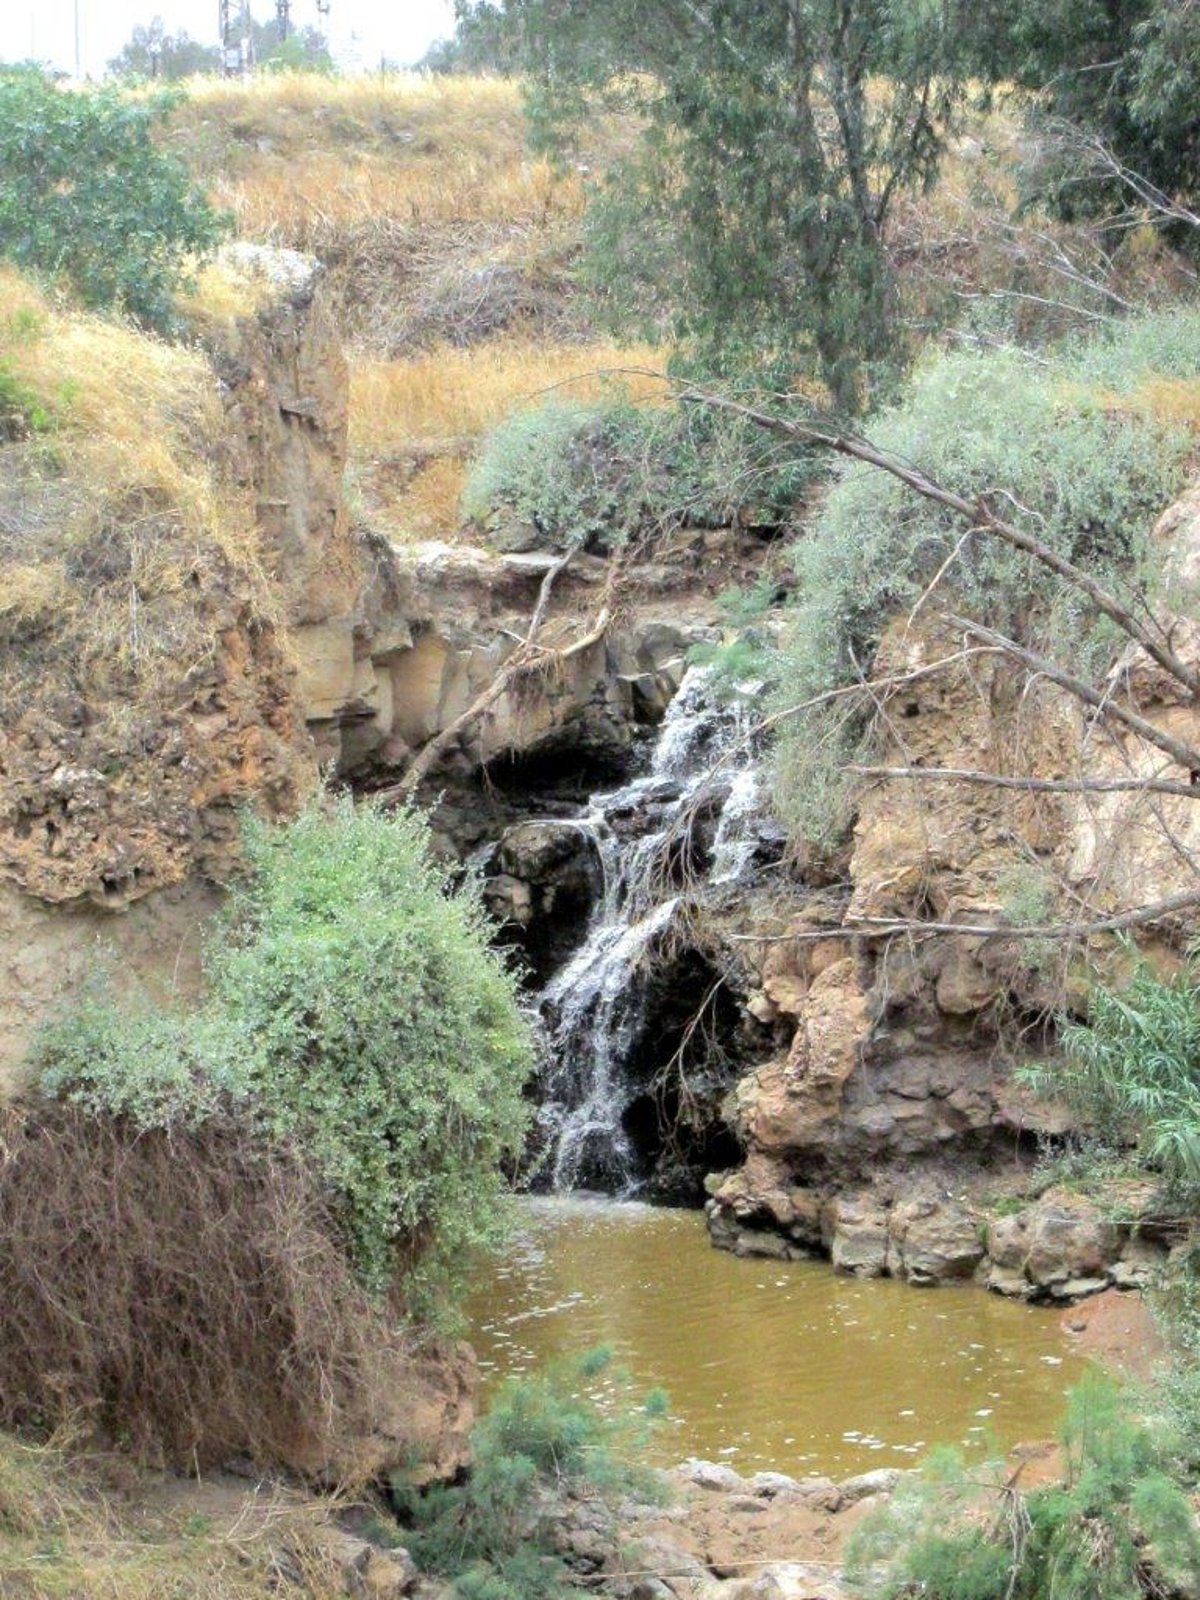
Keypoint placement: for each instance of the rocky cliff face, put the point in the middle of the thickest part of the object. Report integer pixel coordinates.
(889, 1115)
(119, 794)
(883, 1107)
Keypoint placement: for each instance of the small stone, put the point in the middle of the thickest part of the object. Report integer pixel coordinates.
(745, 1502)
(369, 1573)
(769, 1484)
(710, 1475)
(882, 1481)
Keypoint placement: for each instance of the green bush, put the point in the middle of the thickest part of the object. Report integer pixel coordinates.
(356, 1007)
(543, 1441)
(1117, 1527)
(87, 194)
(1070, 447)
(1131, 1071)
(592, 476)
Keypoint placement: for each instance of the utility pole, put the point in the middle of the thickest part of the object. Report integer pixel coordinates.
(237, 41)
(283, 18)
(78, 47)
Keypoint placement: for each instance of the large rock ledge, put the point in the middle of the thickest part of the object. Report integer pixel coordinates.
(1061, 1246)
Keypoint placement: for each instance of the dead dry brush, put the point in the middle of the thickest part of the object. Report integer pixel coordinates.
(181, 1292)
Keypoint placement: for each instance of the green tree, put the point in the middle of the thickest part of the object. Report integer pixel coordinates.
(152, 52)
(89, 196)
(484, 41)
(1124, 71)
(777, 138)
(304, 50)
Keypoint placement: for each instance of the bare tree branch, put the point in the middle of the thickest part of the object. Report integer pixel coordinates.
(1175, 748)
(881, 927)
(997, 780)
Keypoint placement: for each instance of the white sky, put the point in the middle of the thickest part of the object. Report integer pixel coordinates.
(360, 30)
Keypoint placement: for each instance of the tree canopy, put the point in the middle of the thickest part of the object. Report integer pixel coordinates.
(777, 138)
(88, 195)
(150, 52)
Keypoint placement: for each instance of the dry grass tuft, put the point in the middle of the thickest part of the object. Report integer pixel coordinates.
(456, 393)
(75, 1527)
(1175, 401)
(114, 506)
(223, 292)
(414, 191)
(297, 156)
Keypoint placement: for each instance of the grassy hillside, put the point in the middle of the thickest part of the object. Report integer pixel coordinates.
(449, 252)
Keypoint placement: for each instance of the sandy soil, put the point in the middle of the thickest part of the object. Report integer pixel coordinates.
(1117, 1331)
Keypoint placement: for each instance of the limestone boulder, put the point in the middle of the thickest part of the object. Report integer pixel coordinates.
(857, 1234)
(1062, 1244)
(934, 1241)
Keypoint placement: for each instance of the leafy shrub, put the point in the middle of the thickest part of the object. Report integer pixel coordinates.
(1132, 1069)
(1119, 1525)
(1074, 449)
(542, 1441)
(86, 193)
(356, 1009)
(589, 476)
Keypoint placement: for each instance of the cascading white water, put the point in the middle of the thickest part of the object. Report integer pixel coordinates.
(594, 1007)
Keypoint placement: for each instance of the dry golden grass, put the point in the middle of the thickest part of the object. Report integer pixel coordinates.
(452, 393)
(394, 105)
(90, 1529)
(1172, 401)
(413, 423)
(222, 293)
(407, 188)
(302, 204)
(112, 493)
(426, 507)
(296, 155)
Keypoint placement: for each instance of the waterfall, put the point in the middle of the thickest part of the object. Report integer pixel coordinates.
(646, 838)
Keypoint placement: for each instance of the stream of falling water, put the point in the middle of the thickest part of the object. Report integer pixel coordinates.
(594, 1007)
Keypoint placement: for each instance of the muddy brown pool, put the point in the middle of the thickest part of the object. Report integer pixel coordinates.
(766, 1363)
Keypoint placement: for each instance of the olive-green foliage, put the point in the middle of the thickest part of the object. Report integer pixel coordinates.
(1128, 73)
(355, 1005)
(1176, 1303)
(542, 1440)
(87, 194)
(775, 140)
(1119, 1526)
(596, 475)
(1132, 1069)
(1062, 444)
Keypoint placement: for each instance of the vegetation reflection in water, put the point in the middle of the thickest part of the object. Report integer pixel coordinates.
(770, 1364)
